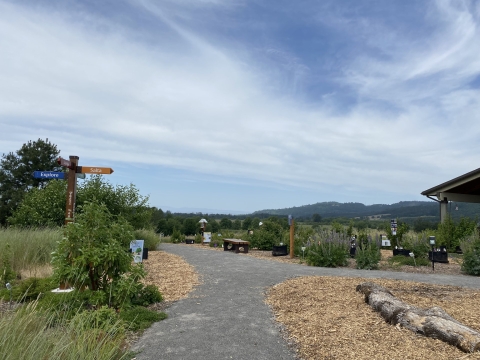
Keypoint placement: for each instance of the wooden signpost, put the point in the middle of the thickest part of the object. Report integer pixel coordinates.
(73, 167)
(94, 170)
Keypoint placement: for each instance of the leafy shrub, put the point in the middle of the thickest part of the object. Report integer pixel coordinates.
(216, 243)
(368, 255)
(198, 239)
(148, 295)
(140, 318)
(93, 250)
(269, 234)
(301, 237)
(451, 234)
(30, 289)
(332, 250)
(471, 255)
(419, 245)
(177, 237)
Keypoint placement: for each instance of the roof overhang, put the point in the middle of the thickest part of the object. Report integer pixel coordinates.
(465, 188)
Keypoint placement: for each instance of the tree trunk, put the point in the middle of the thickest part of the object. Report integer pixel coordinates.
(433, 322)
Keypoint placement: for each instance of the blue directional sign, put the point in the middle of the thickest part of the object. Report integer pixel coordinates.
(48, 175)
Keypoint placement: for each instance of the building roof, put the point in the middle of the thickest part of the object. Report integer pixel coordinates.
(464, 188)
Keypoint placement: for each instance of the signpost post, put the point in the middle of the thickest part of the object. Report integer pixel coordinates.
(78, 171)
(291, 222)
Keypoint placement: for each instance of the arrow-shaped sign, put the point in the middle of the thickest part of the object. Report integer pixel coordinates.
(48, 175)
(94, 170)
(65, 163)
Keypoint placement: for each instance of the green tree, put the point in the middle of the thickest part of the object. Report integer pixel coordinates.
(120, 200)
(93, 250)
(16, 170)
(237, 224)
(247, 223)
(255, 223)
(316, 218)
(157, 215)
(42, 207)
(337, 227)
(226, 223)
(46, 206)
(190, 226)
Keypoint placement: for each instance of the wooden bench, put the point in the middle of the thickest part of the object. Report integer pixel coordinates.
(236, 245)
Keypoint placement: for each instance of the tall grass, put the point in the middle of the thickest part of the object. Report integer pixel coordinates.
(28, 334)
(29, 248)
(152, 239)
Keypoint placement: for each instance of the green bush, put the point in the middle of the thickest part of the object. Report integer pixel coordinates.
(148, 295)
(139, 318)
(150, 237)
(301, 237)
(198, 239)
(177, 237)
(419, 245)
(331, 251)
(216, 243)
(269, 234)
(31, 288)
(368, 255)
(471, 254)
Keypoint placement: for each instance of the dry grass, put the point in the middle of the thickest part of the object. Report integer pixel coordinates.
(39, 271)
(327, 319)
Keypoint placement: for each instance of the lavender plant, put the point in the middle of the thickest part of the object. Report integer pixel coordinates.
(328, 249)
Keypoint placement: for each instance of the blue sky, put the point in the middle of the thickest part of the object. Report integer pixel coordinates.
(234, 105)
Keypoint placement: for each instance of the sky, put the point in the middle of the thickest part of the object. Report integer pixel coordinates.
(242, 105)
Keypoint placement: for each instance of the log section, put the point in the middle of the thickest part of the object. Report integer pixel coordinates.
(433, 322)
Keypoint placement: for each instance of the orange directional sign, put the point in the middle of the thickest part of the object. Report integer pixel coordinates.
(94, 170)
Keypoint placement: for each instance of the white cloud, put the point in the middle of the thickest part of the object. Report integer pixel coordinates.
(188, 102)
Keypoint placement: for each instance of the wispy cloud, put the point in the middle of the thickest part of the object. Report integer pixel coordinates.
(372, 107)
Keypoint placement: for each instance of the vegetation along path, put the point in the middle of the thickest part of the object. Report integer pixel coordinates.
(226, 317)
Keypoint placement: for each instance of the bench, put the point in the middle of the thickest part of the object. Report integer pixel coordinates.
(236, 244)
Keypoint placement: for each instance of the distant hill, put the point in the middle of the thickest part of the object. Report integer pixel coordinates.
(403, 209)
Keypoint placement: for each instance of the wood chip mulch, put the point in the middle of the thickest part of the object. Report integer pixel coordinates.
(327, 319)
(173, 276)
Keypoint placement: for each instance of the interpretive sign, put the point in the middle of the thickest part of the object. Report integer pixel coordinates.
(137, 250)
(207, 237)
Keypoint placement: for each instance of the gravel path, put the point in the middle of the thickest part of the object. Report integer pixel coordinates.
(226, 317)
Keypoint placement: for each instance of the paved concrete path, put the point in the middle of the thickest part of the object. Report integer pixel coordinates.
(226, 317)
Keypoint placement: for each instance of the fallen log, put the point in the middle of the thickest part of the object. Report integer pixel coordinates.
(433, 322)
